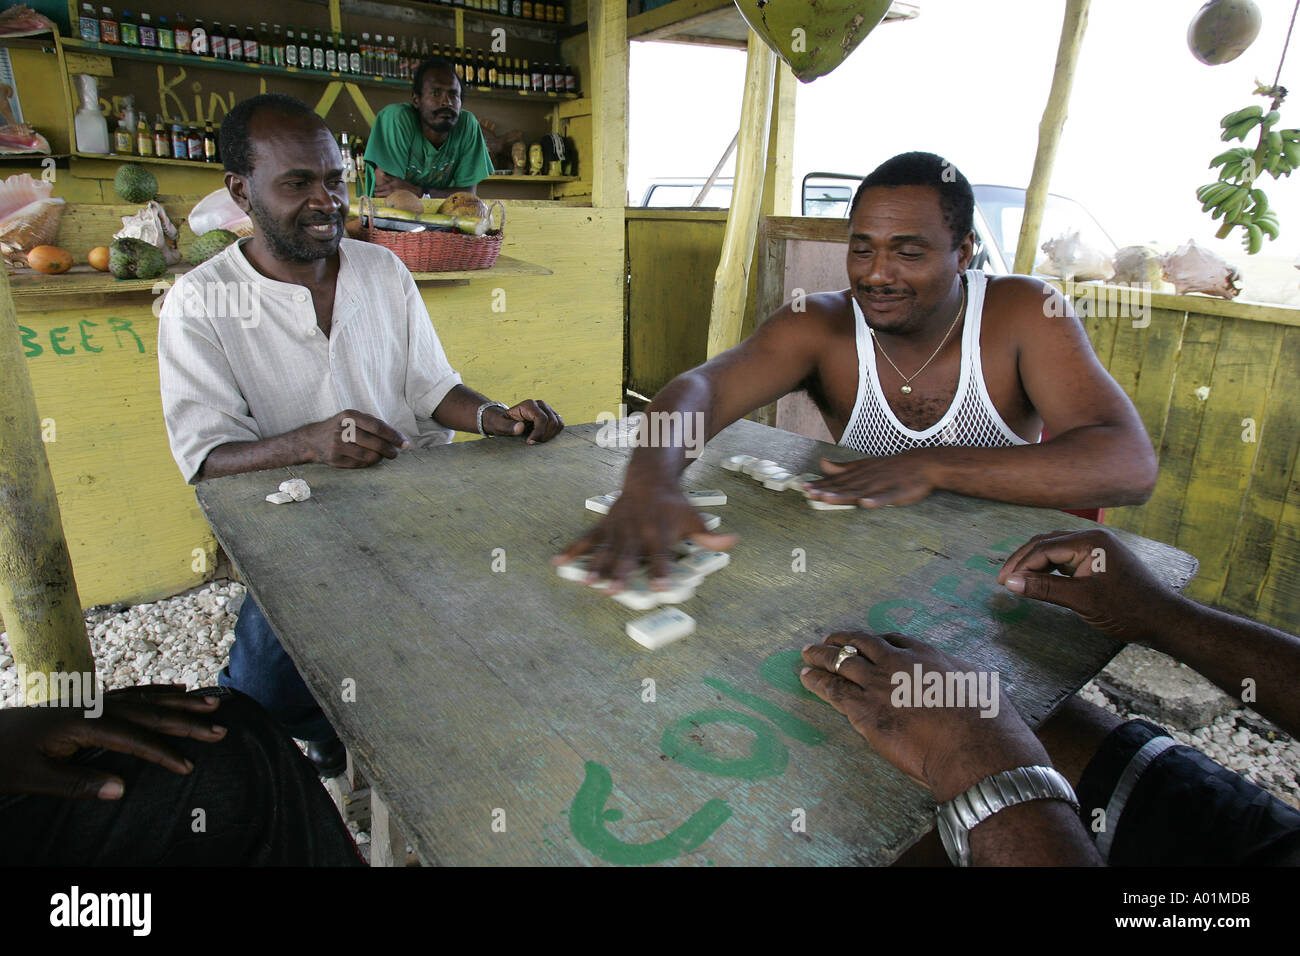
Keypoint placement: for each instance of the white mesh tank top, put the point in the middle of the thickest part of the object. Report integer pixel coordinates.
(971, 420)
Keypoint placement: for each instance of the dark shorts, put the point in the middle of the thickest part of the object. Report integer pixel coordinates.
(1164, 804)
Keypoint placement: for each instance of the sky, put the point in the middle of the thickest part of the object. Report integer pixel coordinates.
(969, 80)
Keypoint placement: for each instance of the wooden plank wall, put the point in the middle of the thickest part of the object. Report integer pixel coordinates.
(1215, 384)
(131, 522)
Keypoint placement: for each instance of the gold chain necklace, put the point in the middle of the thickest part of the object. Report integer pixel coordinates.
(906, 388)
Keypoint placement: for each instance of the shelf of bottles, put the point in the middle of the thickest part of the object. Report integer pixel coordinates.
(377, 61)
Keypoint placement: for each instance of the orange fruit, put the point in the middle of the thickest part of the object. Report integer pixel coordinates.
(50, 259)
(98, 257)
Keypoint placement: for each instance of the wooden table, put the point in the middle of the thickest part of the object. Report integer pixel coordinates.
(506, 717)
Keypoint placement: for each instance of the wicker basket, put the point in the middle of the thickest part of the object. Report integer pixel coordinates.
(432, 251)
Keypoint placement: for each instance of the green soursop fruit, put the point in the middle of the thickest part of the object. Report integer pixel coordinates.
(209, 244)
(135, 259)
(134, 183)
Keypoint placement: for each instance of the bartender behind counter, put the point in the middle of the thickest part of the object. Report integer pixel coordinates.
(430, 146)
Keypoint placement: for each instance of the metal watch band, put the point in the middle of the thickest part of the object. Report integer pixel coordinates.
(959, 815)
(484, 407)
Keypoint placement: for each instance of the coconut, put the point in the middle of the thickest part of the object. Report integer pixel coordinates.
(464, 204)
(1222, 30)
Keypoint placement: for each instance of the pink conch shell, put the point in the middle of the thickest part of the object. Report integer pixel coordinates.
(151, 225)
(21, 138)
(1193, 269)
(1070, 258)
(29, 217)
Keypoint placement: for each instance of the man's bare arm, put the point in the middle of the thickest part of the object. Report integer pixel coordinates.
(351, 439)
(237, 457)
(459, 411)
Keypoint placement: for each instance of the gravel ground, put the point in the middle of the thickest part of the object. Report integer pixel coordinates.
(186, 638)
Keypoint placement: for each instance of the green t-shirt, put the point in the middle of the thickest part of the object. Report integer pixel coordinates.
(398, 147)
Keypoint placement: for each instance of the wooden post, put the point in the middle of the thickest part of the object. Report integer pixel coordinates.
(607, 45)
(1049, 132)
(778, 181)
(731, 281)
(38, 594)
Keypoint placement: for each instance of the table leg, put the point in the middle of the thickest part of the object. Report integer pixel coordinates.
(387, 845)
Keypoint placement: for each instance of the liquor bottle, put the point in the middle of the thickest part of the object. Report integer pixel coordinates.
(392, 57)
(143, 137)
(424, 49)
(199, 42)
(331, 54)
(558, 72)
(123, 137)
(528, 10)
(354, 56)
(345, 151)
(304, 51)
(235, 45)
(277, 47)
(290, 48)
(367, 55)
(128, 31)
(166, 35)
(179, 148)
(253, 44)
(148, 32)
(494, 73)
(402, 65)
(88, 23)
(182, 32)
(209, 144)
(534, 84)
(458, 66)
(194, 143)
(503, 7)
(570, 80)
(548, 79)
(162, 144)
(217, 42)
(516, 8)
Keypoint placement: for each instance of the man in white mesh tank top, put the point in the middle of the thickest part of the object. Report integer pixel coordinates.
(944, 378)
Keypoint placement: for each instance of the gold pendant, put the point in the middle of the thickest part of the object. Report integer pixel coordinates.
(906, 389)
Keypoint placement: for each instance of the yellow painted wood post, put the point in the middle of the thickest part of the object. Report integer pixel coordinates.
(607, 32)
(1049, 132)
(38, 593)
(778, 180)
(731, 281)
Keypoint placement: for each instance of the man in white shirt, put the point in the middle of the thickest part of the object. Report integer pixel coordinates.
(299, 345)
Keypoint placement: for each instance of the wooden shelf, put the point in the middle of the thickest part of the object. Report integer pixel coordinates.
(450, 10)
(130, 158)
(497, 178)
(83, 280)
(260, 69)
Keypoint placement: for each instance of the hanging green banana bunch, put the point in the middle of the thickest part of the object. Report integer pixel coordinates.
(1234, 198)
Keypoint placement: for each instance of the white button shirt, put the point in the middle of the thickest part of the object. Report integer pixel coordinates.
(240, 357)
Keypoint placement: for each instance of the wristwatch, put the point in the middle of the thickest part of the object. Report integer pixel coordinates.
(484, 407)
(959, 815)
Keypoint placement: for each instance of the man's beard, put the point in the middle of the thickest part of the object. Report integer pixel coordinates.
(441, 124)
(293, 246)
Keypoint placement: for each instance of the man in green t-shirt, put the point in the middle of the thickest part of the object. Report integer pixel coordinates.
(430, 146)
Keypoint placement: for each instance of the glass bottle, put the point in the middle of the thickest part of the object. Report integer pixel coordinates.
(148, 32)
(277, 47)
(548, 79)
(209, 143)
(516, 8)
(182, 33)
(290, 49)
(304, 51)
(217, 42)
(88, 23)
(235, 45)
(194, 143)
(179, 148)
(199, 43)
(162, 144)
(128, 31)
(166, 35)
(143, 137)
(392, 57)
(123, 138)
(331, 54)
(570, 80)
(317, 52)
(354, 56)
(253, 44)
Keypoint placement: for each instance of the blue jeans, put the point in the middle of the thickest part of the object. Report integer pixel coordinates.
(260, 668)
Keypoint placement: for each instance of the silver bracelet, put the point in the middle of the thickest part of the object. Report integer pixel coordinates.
(484, 407)
(958, 816)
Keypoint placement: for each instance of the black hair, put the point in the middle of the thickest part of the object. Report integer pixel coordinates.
(956, 198)
(434, 63)
(236, 144)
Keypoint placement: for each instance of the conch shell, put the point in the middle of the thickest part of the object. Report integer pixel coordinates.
(1069, 257)
(151, 225)
(1193, 269)
(1134, 264)
(29, 217)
